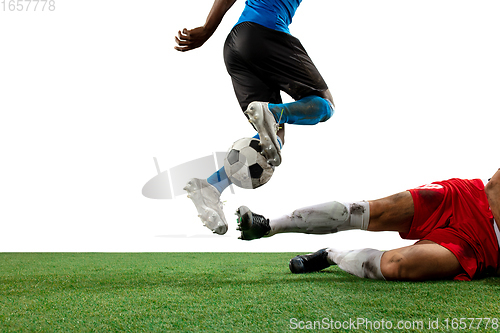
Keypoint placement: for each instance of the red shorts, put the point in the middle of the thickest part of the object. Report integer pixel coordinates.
(456, 215)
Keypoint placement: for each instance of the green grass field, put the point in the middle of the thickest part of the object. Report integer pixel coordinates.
(222, 292)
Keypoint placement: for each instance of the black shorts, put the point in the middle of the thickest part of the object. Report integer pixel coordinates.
(263, 61)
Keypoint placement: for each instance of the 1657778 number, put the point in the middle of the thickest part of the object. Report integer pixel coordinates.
(28, 5)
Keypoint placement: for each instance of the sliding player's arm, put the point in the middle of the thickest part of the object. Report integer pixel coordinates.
(194, 38)
(493, 193)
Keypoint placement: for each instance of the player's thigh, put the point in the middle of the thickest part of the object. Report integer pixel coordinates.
(393, 213)
(425, 260)
(247, 84)
(249, 88)
(277, 58)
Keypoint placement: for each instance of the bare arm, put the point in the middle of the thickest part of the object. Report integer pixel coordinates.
(194, 38)
(492, 190)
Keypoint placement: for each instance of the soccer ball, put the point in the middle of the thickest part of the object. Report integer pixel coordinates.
(245, 166)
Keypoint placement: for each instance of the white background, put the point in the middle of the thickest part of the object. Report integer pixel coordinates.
(91, 92)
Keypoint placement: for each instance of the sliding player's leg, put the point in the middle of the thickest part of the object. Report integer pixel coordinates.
(425, 260)
(492, 190)
(364, 263)
(451, 219)
(393, 213)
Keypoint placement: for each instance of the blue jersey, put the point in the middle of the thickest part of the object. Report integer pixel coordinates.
(273, 14)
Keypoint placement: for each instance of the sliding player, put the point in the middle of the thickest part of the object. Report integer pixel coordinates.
(453, 220)
(262, 58)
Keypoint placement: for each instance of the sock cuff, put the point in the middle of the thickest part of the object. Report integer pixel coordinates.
(276, 114)
(359, 214)
(364, 263)
(219, 180)
(377, 259)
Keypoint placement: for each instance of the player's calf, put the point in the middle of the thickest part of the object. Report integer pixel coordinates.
(309, 110)
(329, 217)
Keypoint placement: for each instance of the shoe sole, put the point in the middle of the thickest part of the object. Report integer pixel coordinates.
(244, 221)
(209, 217)
(268, 140)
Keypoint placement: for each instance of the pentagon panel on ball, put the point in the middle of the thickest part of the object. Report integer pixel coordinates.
(245, 166)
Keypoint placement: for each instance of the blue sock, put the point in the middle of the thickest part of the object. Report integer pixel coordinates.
(309, 110)
(219, 178)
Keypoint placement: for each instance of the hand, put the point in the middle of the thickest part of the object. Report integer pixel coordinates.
(191, 39)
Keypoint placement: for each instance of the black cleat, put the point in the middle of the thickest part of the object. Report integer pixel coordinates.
(308, 263)
(251, 225)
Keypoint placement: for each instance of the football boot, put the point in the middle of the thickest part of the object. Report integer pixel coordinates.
(307, 263)
(251, 225)
(263, 121)
(206, 198)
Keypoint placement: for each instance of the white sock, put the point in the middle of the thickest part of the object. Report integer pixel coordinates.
(325, 218)
(364, 263)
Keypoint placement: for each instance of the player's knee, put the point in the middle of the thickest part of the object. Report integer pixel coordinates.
(493, 186)
(329, 110)
(328, 106)
(328, 96)
(394, 266)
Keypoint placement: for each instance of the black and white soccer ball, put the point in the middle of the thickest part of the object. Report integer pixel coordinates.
(245, 166)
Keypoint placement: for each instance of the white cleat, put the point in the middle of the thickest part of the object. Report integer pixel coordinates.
(206, 198)
(263, 120)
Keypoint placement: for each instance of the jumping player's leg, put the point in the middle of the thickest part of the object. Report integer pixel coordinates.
(205, 193)
(260, 58)
(206, 199)
(309, 110)
(247, 87)
(266, 119)
(255, 78)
